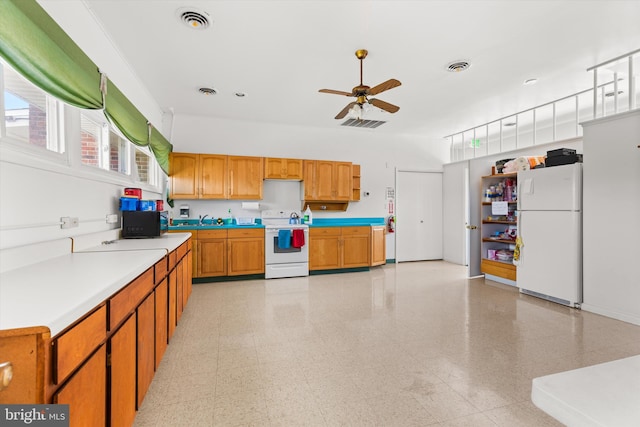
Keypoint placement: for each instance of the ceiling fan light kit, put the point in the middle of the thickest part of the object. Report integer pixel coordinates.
(362, 93)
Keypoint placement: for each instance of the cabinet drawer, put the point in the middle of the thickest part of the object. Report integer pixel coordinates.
(75, 345)
(181, 251)
(324, 231)
(160, 270)
(356, 231)
(125, 301)
(212, 234)
(246, 232)
(173, 259)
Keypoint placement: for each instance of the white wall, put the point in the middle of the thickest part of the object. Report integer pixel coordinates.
(611, 203)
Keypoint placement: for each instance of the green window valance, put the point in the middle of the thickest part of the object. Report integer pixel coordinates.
(35, 45)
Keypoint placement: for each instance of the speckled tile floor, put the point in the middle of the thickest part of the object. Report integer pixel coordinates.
(411, 344)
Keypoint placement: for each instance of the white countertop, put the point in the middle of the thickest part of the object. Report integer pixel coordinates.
(58, 291)
(607, 394)
(168, 241)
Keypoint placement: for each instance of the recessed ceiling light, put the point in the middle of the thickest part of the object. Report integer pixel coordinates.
(457, 66)
(194, 18)
(529, 82)
(207, 91)
(240, 94)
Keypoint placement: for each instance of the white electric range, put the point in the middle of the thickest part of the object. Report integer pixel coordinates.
(284, 260)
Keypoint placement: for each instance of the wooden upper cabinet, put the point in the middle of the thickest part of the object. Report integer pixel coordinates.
(343, 180)
(245, 177)
(183, 175)
(213, 176)
(308, 178)
(277, 168)
(327, 180)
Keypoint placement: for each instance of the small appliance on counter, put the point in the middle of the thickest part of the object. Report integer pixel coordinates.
(144, 224)
(184, 211)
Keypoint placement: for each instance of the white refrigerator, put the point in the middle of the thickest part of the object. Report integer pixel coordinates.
(550, 228)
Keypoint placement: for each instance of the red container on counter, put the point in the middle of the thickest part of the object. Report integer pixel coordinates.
(133, 192)
(159, 205)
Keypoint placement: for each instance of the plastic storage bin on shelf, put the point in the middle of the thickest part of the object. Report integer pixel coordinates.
(129, 203)
(147, 205)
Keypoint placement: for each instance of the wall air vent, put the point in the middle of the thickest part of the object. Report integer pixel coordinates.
(358, 123)
(193, 18)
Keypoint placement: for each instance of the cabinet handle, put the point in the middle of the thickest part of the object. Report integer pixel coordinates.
(6, 374)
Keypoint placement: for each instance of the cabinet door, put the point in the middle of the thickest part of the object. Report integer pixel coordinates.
(213, 176)
(324, 248)
(342, 181)
(378, 245)
(309, 179)
(324, 180)
(274, 168)
(213, 257)
(245, 177)
(145, 346)
(293, 168)
(356, 250)
(179, 289)
(173, 302)
(245, 256)
(187, 277)
(161, 326)
(86, 391)
(183, 176)
(123, 374)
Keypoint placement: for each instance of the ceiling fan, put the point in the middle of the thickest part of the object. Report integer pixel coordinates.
(362, 92)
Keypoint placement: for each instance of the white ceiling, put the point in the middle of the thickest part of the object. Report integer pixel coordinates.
(281, 52)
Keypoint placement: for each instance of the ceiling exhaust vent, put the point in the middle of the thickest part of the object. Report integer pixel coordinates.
(193, 18)
(457, 66)
(207, 91)
(358, 123)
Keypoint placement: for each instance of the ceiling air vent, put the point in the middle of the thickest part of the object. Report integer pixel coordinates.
(457, 66)
(207, 91)
(193, 18)
(356, 123)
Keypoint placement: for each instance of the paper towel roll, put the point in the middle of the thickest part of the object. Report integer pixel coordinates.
(251, 206)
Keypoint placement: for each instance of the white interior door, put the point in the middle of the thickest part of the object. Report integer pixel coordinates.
(418, 216)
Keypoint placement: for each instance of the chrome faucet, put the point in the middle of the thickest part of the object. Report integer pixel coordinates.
(202, 218)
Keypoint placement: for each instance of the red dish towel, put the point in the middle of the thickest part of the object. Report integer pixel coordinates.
(297, 238)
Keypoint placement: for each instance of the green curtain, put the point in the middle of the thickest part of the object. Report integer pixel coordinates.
(35, 45)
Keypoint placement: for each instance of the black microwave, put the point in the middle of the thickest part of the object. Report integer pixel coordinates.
(144, 224)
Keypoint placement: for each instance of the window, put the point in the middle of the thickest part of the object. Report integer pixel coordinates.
(101, 147)
(143, 165)
(31, 117)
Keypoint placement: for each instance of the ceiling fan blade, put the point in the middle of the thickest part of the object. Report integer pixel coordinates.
(384, 105)
(336, 92)
(389, 84)
(345, 110)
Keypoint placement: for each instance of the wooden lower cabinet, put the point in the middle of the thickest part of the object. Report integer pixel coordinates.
(103, 364)
(245, 252)
(378, 245)
(25, 349)
(122, 374)
(230, 252)
(85, 392)
(212, 253)
(146, 340)
(356, 246)
(162, 320)
(339, 247)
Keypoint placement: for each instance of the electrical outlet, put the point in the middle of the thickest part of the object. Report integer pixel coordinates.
(69, 222)
(112, 218)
